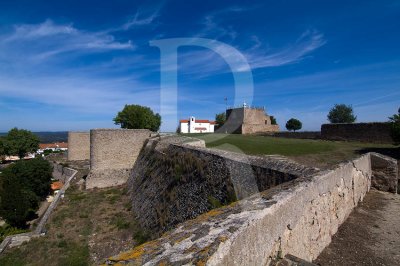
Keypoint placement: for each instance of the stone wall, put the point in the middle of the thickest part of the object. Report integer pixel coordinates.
(384, 173)
(233, 124)
(247, 121)
(298, 217)
(254, 129)
(172, 182)
(113, 153)
(78, 146)
(298, 135)
(365, 132)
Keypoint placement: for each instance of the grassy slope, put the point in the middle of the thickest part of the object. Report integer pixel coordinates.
(317, 153)
(85, 228)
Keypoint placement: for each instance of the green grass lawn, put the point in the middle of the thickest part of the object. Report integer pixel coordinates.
(319, 153)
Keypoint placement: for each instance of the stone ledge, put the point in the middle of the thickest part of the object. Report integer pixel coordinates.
(298, 217)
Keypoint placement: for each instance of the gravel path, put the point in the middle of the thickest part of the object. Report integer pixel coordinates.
(370, 236)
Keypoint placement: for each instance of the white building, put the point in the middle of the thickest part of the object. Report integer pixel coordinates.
(194, 125)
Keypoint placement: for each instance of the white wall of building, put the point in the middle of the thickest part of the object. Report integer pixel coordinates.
(199, 126)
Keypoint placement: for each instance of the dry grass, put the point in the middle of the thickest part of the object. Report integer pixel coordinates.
(85, 228)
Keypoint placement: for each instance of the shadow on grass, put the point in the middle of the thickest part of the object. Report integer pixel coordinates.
(392, 152)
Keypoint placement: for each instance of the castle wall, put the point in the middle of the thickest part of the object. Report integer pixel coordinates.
(298, 217)
(368, 132)
(247, 121)
(78, 146)
(113, 153)
(233, 124)
(171, 183)
(255, 129)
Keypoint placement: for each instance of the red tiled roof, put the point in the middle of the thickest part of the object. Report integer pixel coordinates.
(56, 185)
(55, 145)
(198, 121)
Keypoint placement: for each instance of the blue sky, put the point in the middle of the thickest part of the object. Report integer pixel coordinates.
(72, 65)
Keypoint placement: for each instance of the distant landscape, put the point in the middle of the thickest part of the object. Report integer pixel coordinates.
(49, 137)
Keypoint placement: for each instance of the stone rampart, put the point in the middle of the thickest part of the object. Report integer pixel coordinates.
(297, 135)
(385, 171)
(378, 132)
(172, 182)
(298, 217)
(113, 153)
(78, 146)
(255, 129)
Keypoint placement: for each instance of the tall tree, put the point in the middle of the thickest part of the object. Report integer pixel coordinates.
(220, 119)
(138, 117)
(341, 113)
(293, 124)
(20, 142)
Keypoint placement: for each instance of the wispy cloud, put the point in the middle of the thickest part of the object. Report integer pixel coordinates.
(48, 39)
(143, 17)
(206, 62)
(309, 41)
(212, 26)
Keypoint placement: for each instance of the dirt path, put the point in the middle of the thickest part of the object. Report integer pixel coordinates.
(370, 236)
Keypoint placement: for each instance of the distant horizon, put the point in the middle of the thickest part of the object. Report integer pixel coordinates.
(66, 68)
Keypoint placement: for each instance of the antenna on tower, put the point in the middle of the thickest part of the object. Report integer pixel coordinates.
(226, 103)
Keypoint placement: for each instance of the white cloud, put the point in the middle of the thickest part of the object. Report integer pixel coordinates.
(307, 43)
(205, 62)
(143, 17)
(48, 39)
(47, 28)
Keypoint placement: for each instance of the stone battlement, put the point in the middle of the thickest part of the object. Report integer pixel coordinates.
(298, 217)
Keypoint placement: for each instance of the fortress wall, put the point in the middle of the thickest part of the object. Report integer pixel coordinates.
(78, 146)
(378, 132)
(176, 182)
(298, 135)
(234, 121)
(254, 129)
(256, 116)
(298, 217)
(113, 153)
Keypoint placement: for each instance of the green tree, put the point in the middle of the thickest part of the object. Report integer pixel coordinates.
(23, 185)
(273, 120)
(2, 151)
(220, 119)
(17, 204)
(20, 142)
(138, 117)
(341, 113)
(395, 127)
(293, 124)
(35, 175)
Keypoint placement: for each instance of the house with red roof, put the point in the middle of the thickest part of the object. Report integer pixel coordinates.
(193, 125)
(57, 146)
